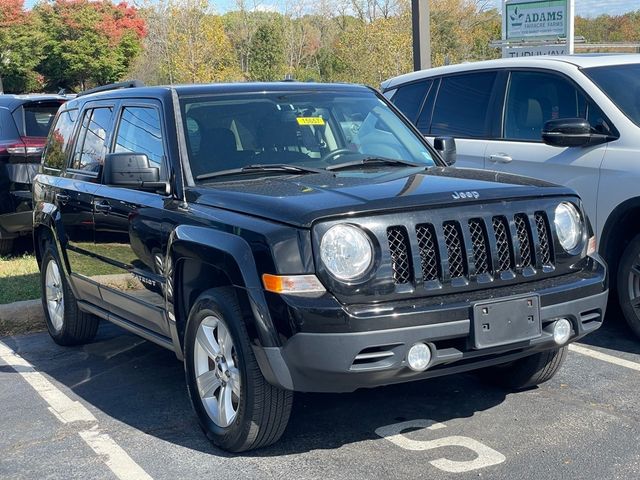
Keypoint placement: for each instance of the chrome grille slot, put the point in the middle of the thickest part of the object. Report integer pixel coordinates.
(399, 250)
(524, 240)
(503, 244)
(544, 236)
(481, 256)
(455, 249)
(429, 258)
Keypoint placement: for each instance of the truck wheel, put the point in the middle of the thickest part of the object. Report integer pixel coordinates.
(6, 246)
(67, 325)
(628, 284)
(527, 372)
(237, 409)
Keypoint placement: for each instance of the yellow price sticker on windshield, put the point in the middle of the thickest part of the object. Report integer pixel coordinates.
(310, 120)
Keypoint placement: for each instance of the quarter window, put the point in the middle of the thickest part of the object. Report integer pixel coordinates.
(462, 106)
(409, 98)
(91, 147)
(55, 154)
(140, 132)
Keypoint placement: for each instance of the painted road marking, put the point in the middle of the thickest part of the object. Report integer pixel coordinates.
(589, 352)
(69, 411)
(485, 456)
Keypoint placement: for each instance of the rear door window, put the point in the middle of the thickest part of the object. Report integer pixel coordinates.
(59, 138)
(91, 147)
(462, 106)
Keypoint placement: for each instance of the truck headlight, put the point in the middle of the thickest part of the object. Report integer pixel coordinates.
(568, 225)
(346, 251)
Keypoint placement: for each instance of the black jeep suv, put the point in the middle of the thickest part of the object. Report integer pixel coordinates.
(286, 237)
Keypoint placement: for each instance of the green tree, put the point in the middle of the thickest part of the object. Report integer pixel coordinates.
(21, 48)
(267, 53)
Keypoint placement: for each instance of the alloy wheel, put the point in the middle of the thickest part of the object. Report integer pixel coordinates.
(216, 370)
(54, 294)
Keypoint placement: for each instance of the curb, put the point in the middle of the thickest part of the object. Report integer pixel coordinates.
(21, 312)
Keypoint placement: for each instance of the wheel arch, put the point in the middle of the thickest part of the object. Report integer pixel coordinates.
(618, 231)
(202, 259)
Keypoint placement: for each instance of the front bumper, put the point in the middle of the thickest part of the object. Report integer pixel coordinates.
(346, 361)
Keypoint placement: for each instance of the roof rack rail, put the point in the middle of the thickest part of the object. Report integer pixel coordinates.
(113, 86)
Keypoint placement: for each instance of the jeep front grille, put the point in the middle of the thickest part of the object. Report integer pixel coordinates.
(453, 249)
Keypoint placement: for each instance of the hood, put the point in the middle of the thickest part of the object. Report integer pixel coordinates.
(302, 199)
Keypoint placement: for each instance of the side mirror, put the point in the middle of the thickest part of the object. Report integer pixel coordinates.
(131, 170)
(571, 132)
(446, 147)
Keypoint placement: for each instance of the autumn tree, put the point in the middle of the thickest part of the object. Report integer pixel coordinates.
(88, 42)
(187, 44)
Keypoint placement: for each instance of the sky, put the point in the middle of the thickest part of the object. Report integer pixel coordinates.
(584, 8)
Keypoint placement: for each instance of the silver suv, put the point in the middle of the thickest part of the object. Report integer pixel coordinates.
(572, 120)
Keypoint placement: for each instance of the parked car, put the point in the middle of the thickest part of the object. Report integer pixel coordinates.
(572, 120)
(284, 237)
(24, 126)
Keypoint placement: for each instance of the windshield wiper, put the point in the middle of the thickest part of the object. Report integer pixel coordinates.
(372, 161)
(271, 167)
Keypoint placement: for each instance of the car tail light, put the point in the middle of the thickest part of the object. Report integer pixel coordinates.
(25, 147)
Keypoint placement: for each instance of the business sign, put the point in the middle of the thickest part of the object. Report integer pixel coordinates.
(537, 27)
(537, 19)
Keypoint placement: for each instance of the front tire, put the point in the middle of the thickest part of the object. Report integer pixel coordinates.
(628, 284)
(527, 372)
(66, 323)
(236, 407)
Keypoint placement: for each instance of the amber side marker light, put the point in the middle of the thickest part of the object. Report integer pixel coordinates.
(591, 247)
(293, 284)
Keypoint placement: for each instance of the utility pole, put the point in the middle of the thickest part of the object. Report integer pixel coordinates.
(421, 34)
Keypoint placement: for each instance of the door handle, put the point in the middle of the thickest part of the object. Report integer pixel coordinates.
(62, 198)
(500, 158)
(102, 206)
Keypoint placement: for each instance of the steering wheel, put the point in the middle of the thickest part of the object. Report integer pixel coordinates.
(336, 153)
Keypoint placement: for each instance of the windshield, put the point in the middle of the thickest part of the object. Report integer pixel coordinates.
(308, 129)
(621, 83)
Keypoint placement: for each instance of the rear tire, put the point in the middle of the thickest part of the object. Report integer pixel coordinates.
(6, 246)
(527, 372)
(220, 365)
(66, 323)
(628, 284)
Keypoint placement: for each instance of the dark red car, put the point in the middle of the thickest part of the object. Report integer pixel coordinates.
(24, 125)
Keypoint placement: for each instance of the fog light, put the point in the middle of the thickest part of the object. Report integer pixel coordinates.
(419, 357)
(561, 331)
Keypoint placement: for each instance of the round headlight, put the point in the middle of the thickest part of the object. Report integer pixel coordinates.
(346, 252)
(568, 225)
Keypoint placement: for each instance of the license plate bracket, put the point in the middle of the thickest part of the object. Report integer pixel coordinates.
(506, 321)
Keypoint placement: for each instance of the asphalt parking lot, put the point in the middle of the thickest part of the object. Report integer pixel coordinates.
(118, 408)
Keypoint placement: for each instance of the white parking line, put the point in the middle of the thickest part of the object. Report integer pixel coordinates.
(604, 357)
(69, 411)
